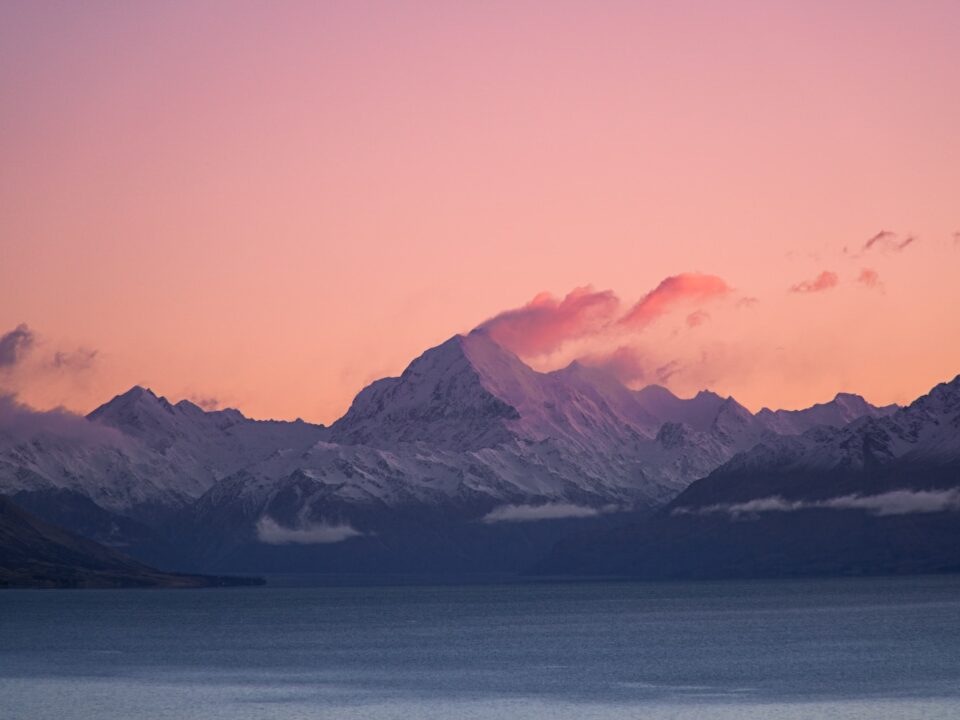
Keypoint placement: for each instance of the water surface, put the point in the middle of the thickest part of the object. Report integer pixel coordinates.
(852, 648)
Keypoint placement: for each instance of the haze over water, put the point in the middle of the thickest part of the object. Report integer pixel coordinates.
(850, 648)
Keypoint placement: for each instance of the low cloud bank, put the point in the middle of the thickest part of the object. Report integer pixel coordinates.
(22, 423)
(896, 502)
(271, 532)
(532, 513)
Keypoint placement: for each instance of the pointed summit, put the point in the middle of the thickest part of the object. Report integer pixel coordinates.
(445, 397)
(470, 393)
(138, 412)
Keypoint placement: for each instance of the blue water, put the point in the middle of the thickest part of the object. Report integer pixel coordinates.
(856, 648)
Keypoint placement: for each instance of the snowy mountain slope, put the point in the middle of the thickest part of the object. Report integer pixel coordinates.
(468, 430)
(879, 495)
(467, 433)
(440, 399)
(469, 403)
(41, 451)
(469, 393)
(203, 446)
(914, 449)
(137, 450)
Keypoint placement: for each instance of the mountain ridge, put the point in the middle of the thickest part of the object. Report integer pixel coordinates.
(468, 434)
(878, 495)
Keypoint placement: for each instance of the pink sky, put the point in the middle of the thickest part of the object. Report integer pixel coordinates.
(272, 204)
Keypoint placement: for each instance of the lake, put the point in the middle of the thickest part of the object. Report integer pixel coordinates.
(843, 648)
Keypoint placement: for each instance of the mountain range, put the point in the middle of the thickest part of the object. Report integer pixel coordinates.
(878, 495)
(470, 460)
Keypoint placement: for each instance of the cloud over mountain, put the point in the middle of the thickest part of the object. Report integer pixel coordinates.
(896, 502)
(672, 292)
(532, 513)
(270, 532)
(625, 363)
(545, 323)
(15, 344)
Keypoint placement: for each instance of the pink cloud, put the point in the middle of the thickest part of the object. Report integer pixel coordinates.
(625, 363)
(673, 291)
(869, 277)
(823, 281)
(545, 323)
(697, 318)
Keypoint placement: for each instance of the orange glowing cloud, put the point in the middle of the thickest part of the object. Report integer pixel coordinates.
(672, 292)
(869, 277)
(823, 281)
(545, 323)
(697, 318)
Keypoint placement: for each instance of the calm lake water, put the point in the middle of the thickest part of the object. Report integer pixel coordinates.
(864, 648)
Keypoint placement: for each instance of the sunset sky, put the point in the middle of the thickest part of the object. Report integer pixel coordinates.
(268, 205)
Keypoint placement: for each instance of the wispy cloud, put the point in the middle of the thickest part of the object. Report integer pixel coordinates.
(15, 344)
(26, 359)
(80, 359)
(205, 402)
(888, 241)
(870, 278)
(270, 532)
(905, 243)
(824, 281)
(534, 513)
(668, 370)
(545, 323)
(24, 423)
(674, 291)
(895, 502)
(625, 363)
(883, 236)
(697, 318)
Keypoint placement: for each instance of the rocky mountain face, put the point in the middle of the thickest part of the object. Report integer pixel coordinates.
(878, 495)
(468, 450)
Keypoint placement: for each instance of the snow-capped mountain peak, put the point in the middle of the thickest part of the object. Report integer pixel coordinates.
(843, 409)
